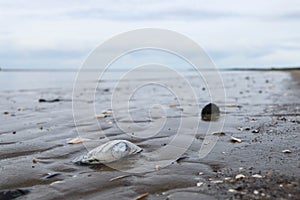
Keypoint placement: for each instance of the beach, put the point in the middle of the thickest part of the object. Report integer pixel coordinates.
(261, 112)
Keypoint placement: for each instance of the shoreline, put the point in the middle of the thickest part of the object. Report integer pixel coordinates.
(262, 110)
(296, 68)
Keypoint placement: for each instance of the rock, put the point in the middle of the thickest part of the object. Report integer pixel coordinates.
(255, 131)
(12, 194)
(210, 112)
(52, 175)
(219, 134)
(35, 160)
(173, 105)
(107, 112)
(48, 101)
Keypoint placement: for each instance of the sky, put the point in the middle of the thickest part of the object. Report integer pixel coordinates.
(60, 34)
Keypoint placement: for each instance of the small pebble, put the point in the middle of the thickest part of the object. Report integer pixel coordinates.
(157, 167)
(52, 175)
(48, 101)
(219, 134)
(107, 112)
(34, 160)
(255, 131)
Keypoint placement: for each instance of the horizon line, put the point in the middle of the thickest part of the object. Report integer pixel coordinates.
(119, 69)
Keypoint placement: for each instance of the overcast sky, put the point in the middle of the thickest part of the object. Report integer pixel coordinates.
(60, 34)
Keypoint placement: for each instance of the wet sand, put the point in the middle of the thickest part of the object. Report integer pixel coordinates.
(262, 109)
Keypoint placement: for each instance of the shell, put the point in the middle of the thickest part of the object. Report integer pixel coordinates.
(257, 176)
(235, 140)
(77, 140)
(109, 152)
(286, 151)
(240, 176)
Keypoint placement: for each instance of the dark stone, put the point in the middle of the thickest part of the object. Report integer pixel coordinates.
(53, 175)
(181, 158)
(255, 131)
(210, 112)
(12, 194)
(48, 101)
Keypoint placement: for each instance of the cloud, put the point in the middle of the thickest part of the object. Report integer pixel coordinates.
(234, 33)
(295, 15)
(156, 15)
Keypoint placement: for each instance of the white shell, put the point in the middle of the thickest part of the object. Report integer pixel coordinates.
(234, 140)
(109, 152)
(240, 176)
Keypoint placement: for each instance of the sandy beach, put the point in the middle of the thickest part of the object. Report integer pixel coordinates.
(262, 109)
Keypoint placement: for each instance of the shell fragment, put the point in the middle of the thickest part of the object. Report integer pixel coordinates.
(77, 140)
(235, 140)
(257, 176)
(240, 176)
(286, 151)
